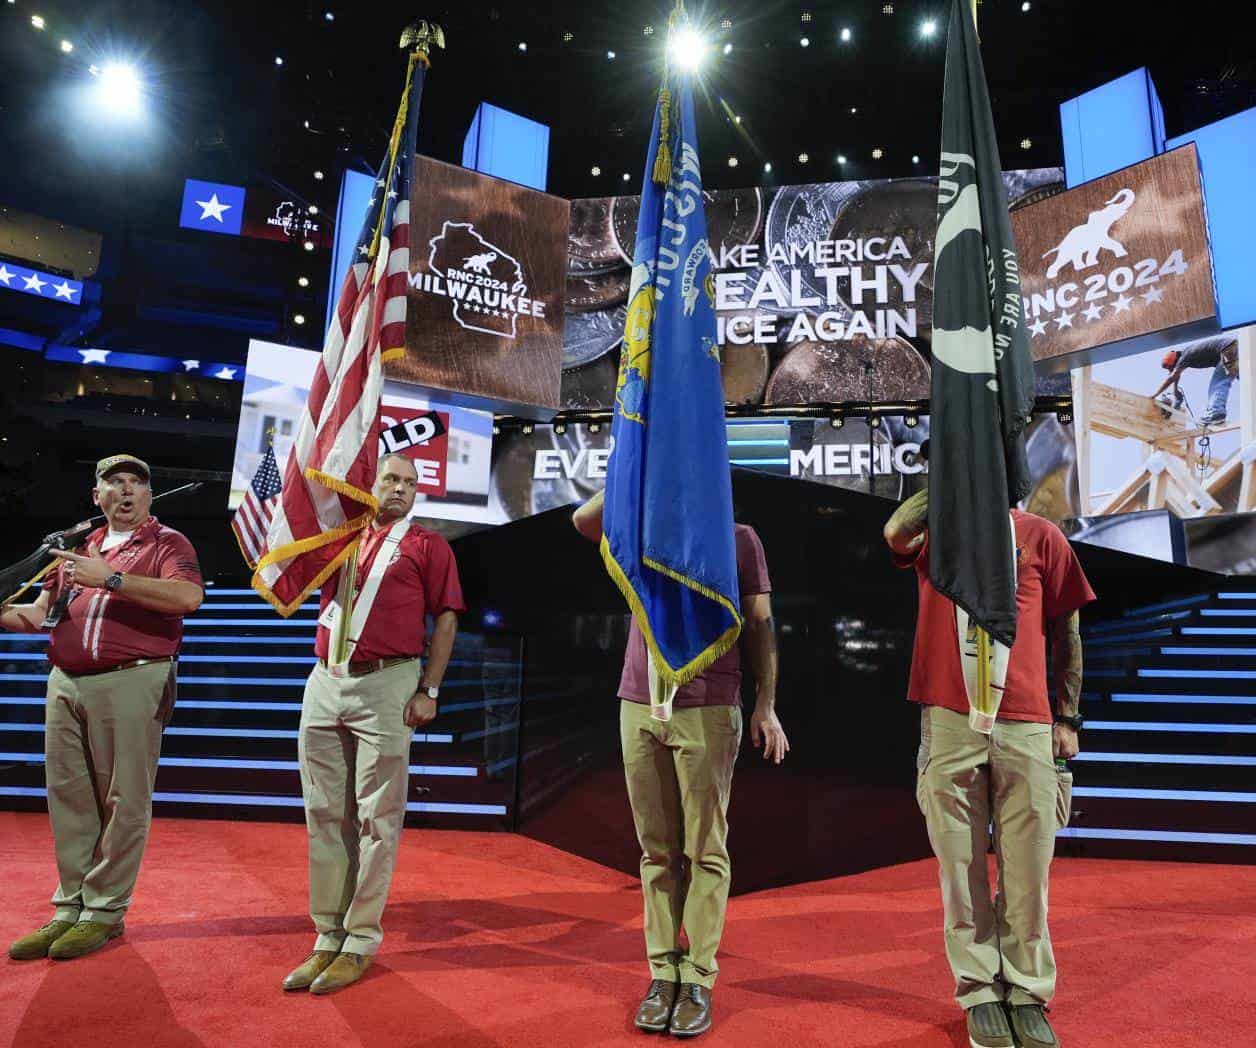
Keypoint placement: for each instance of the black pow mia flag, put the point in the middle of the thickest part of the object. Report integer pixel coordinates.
(982, 377)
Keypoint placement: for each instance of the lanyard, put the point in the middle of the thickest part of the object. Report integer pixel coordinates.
(345, 634)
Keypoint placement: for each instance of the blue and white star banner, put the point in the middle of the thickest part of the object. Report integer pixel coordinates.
(213, 207)
(36, 282)
(114, 358)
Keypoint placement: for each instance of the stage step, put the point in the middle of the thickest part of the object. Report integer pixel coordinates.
(232, 745)
(1168, 766)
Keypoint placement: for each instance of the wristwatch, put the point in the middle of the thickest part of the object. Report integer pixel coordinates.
(114, 581)
(431, 693)
(1075, 722)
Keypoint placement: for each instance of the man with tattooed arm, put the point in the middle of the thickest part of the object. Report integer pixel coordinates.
(1013, 780)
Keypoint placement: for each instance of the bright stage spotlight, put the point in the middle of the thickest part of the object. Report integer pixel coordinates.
(118, 89)
(687, 48)
(928, 28)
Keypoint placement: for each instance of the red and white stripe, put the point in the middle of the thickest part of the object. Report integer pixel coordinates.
(337, 436)
(94, 621)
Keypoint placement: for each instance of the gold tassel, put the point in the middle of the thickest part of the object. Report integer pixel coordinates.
(663, 158)
(985, 702)
(394, 142)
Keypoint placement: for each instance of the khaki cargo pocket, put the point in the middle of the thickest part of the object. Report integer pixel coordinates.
(1063, 796)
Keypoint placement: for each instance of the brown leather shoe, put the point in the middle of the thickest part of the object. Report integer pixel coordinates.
(84, 938)
(655, 1010)
(35, 945)
(692, 1014)
(310, 969)
(344, 971)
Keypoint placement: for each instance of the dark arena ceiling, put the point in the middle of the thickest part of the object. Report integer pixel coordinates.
(221, 107)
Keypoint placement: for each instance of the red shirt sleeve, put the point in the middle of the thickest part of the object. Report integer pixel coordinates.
(752, 565)
(1065, 587)
(176, 559)
(440, 578)
(913, 560)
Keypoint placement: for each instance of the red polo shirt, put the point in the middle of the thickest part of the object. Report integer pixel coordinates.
(1050, 583)
(102, 629)
(720, 684)
(422, 580)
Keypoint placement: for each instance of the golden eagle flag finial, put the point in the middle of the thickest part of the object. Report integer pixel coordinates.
(420, 37)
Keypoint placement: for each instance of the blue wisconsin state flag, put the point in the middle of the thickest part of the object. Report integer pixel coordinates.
(668, 513)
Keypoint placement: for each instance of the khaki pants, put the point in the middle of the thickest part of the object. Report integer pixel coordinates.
(354, 751)
(998, 949)
(102, 740)
(680, 776)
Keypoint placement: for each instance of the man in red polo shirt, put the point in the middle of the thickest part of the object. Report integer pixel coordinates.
(680, 777)
(1000, 950)
(364, 698)
(116, 616)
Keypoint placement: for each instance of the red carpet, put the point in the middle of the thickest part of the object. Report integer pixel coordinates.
(498, 940)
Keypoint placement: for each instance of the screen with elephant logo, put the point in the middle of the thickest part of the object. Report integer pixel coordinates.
(1116, 258)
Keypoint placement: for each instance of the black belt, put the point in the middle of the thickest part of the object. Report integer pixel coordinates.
(120, 666)
(369, 666)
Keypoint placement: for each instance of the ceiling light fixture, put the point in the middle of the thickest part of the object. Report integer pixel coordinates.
(686, 48)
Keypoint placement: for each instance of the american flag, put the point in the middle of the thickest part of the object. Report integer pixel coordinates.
(252, 517)
(327, 482)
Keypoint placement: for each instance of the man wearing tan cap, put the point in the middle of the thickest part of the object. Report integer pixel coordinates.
(115, 612)
(368, 692)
